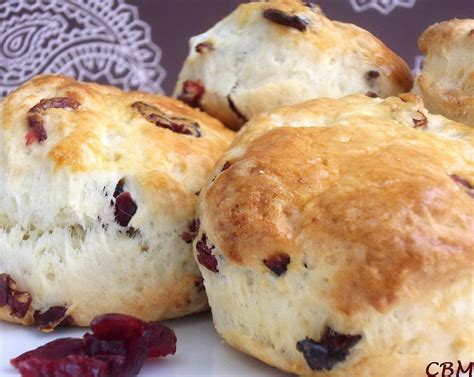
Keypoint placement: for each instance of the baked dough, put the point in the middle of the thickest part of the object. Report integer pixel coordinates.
(279, 52)
(97, 192)
(446, 82)
(337, 238)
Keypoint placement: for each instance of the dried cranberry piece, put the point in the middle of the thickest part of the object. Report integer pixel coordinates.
(114, 326)
(420, 121)
(19, 301)
(69, 366)
(235, 110)
(226, 166)
(119, 187)
(193, 230)
(372, 75)
(159, 340)
(125, 208)
(371, 94)
(192, 93)
(330, 350)
(55, 349)
(285, 19)
(36, 132)
(463, 183)
(51, 318)
(4, 289)
(204, 47)
(118, 347)
(164, 119)
(204, 254)
(278, 263)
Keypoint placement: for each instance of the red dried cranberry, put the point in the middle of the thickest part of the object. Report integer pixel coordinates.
(19, 301)
(116, 326)
(125, 208)
(118, 347)
(371, 94)
(51, 318)
(70, 366)
(36, 132)
(204, 254)
(420, 121)
(372, 75)
(285, 19)
(192, 93)
(204, 47)
(119, 187)
(4, 289)
(235, 110)
(56, 349)
(226, 166)
(159, 339)
(163, 119)
(463, 183)
(193, 229)
(278, 263)
(330, 350)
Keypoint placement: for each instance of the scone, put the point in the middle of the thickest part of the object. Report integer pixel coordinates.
(337, 238)
(280, 52)
(446, 82)
(98, 189)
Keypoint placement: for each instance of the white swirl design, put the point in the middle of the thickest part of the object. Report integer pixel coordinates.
(383, 6)
(91, 40)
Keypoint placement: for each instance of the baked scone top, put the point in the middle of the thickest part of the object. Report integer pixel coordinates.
(272, 53)
(94, 129)
(379, 190)
(447, 79)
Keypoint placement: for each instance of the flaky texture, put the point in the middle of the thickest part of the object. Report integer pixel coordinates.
(371, 202)
(249, 62)
(446, 82)
(60, 237)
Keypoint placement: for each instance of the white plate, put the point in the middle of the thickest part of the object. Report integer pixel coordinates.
(200, 352)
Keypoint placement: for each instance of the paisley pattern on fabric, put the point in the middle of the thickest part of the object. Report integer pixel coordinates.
(91, 40)
(383, 6)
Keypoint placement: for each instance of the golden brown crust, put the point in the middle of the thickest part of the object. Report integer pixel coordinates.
(363, 181)
(301, 55)
(447, 79)
(59, 202)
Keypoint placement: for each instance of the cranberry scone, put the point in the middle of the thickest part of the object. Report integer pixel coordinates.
(98, 189)
(337, 238)
(280, 52)
(446, 81)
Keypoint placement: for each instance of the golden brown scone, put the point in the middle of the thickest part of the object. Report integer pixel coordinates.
(446, 82)
(98, 193)
(279, 52)
(337, 238)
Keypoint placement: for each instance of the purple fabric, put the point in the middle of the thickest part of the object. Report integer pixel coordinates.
(141, 44)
